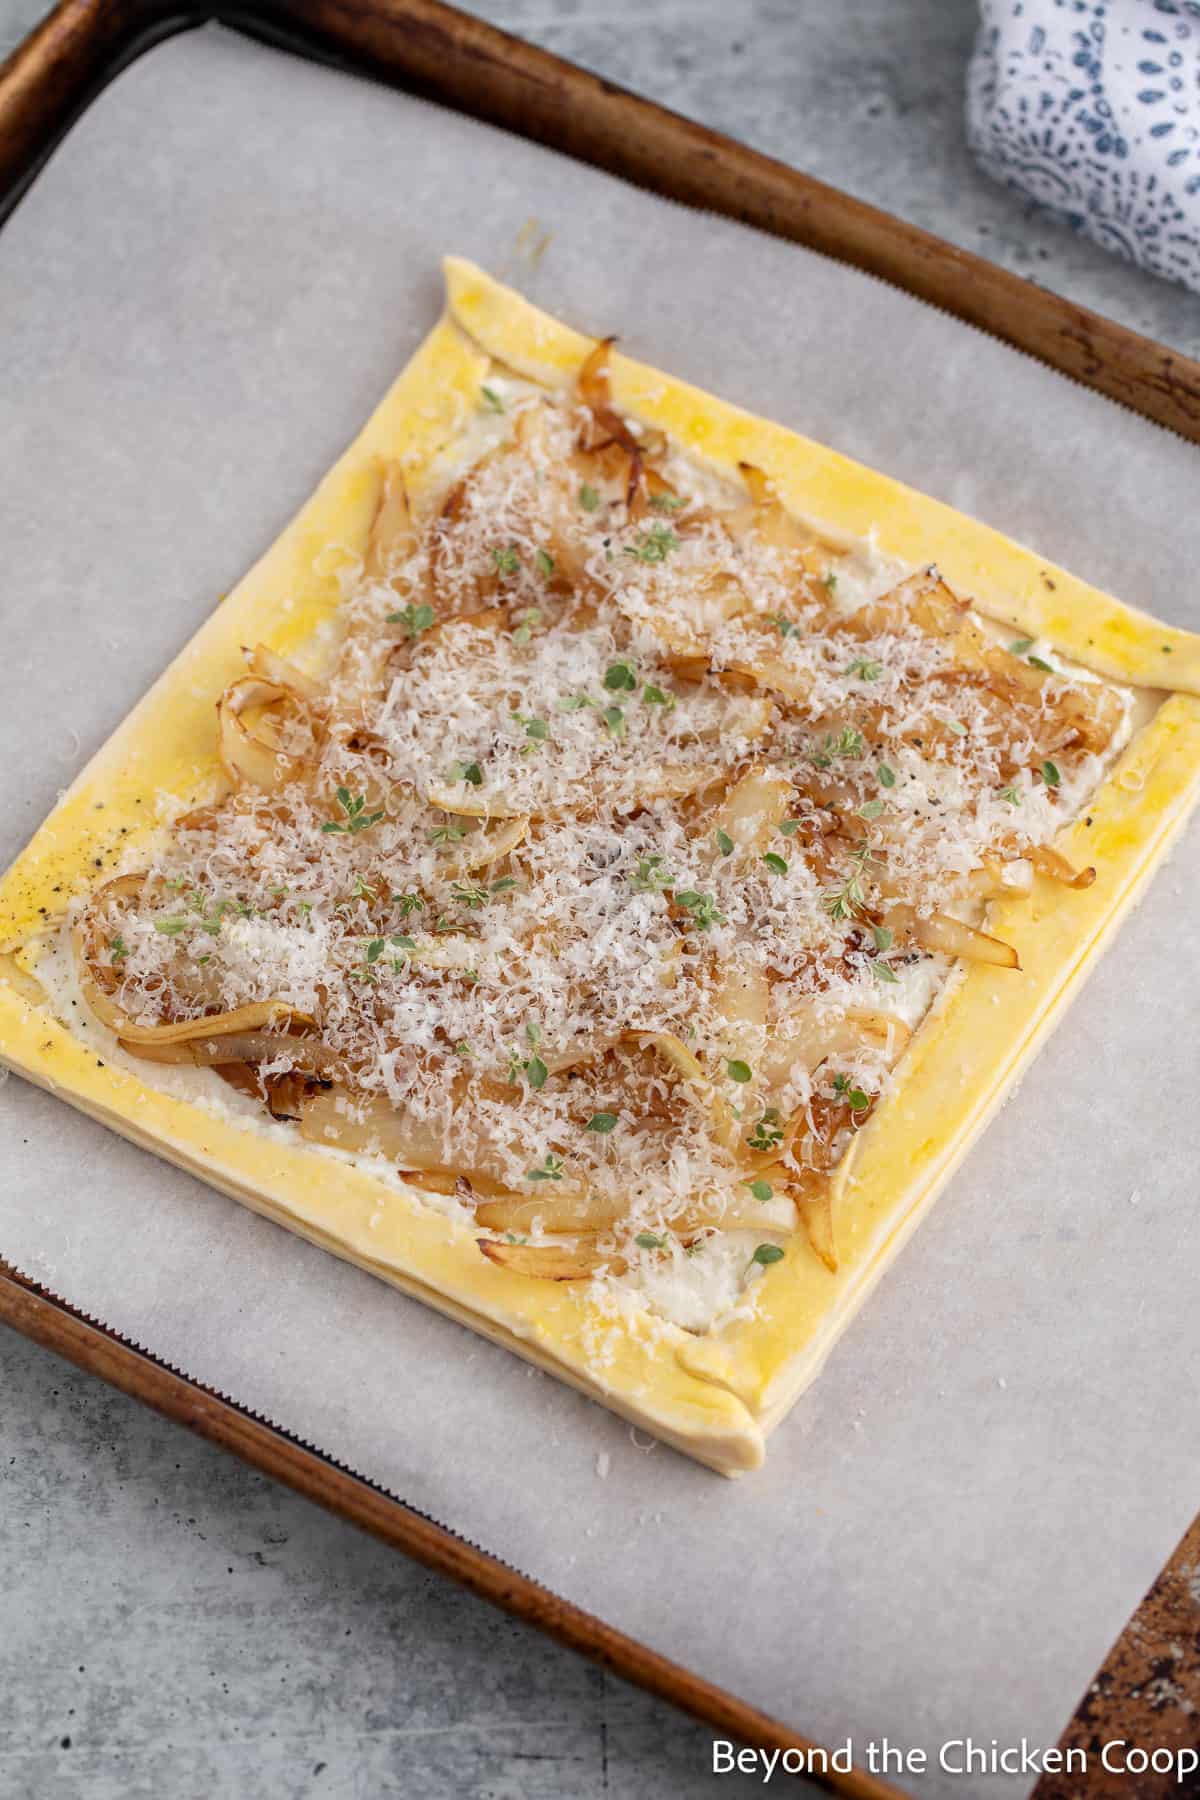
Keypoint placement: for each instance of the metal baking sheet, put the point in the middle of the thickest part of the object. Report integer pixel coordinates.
(200, 300)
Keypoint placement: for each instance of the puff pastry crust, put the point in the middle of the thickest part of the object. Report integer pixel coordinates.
(713, 1396)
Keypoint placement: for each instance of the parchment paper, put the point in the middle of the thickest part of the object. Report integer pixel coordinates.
(200, 300)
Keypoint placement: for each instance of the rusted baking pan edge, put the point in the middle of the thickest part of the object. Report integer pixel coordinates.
(96, 1349)
(435, 50)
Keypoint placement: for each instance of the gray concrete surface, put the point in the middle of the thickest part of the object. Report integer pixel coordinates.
(171, 1623)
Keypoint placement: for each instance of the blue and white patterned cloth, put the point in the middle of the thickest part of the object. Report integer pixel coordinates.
(1092, 109)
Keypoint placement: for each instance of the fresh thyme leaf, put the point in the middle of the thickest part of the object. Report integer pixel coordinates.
(762, 1190)
(668, 503)
(1019, 646)
(1039, 662)
(356, 819)
(528, 619)
(614, 721)
(408, 903)
(170, 927)
(866, 668)
(414, 619)
(886, 776)
(374, 950)
(766, 1254)
(545, 564)
(1011, 795)
(649, 877)
(724, 843)
(702, 907)
(854, 1097)
(506, 560)
(653, 546)
(589, 499)
(777, 863)
(536, 1072)
(882, 972)
(467, 894)
(846, 742)
(619, 675)
(532, 1067)
(790, 827)
(654, 696)
(447, 834)
(118, 949)
(574, 702)
(957, 727)
(768, 1131)
(870, 809)
(551, 1169)
(738, 1070)
(491, 400)
(1050, 774)
(601, 1123)
(469, 772)
(785, 627)
(505, 882)
(646, 1240)
(830, 583)
(848, 899)
(883, 937)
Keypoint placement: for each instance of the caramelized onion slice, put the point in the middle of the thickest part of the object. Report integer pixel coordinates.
(550, 1262)
(814, 1203)
(465, 806)
(727, 1209)
(998, 880)
(346, 1122)
(374, 1127)
(778, 528)
(804, 1037)
(250, 1018)
(1048, 862)
(392, 537)
(755, 807)
(595, 391)
(675, 1052)
(586, 1213)
(488, 847)
(778, 677)
(950, 937)
(306, 1053)
(432, 1181)
(245, 756)
(255, 1016)
(277, 669)
(676, 781)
